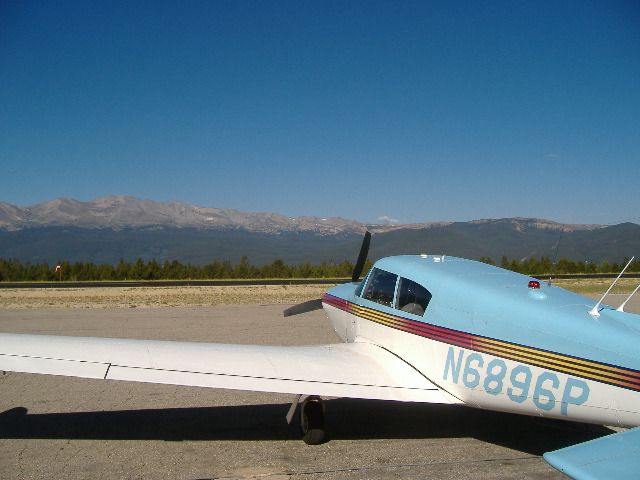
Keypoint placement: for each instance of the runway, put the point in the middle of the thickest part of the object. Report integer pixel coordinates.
(57, 427)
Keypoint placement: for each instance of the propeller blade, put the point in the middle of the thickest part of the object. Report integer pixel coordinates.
(362, 257)
(303, 307)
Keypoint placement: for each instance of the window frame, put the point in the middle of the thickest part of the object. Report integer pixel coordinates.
(363, 284)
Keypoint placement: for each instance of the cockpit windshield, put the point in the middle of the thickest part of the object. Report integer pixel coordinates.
(381, 287)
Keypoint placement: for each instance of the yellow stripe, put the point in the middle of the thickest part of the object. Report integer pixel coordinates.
(555, 355)
(568, 370)
(548, 361)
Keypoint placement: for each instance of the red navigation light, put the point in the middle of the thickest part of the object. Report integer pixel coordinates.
(534, 284)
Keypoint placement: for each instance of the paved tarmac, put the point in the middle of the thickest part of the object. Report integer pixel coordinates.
(58, 427)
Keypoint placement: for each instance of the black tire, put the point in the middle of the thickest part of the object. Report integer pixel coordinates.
(312, 421)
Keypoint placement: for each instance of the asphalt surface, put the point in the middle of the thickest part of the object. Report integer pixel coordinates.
(58, 427)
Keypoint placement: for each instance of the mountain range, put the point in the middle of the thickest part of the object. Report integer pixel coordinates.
(107, 229)
(118, 212)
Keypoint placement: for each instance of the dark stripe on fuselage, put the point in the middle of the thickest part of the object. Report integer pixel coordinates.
(600, 372)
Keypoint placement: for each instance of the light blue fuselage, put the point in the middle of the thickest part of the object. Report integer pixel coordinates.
(530, 350)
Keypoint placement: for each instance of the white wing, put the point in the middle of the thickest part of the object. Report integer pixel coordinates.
(356, 370)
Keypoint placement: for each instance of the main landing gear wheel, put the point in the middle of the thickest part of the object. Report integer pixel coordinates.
(312, 421)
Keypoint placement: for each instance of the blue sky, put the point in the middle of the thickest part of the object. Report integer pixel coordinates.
(417, 111)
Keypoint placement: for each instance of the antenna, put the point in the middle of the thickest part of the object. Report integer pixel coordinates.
(621, 307)
(594, 311)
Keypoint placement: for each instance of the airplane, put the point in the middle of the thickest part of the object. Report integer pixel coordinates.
(417, 328)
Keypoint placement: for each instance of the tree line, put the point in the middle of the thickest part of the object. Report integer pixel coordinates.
(14, 271)
(545, 266)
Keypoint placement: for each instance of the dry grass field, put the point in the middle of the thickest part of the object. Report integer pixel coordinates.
(598, 286)
(144, 297)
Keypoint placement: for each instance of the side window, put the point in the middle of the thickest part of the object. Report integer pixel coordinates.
(412, 297)
(380, 287)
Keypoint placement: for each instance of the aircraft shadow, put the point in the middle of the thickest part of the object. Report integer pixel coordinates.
(345, 419)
